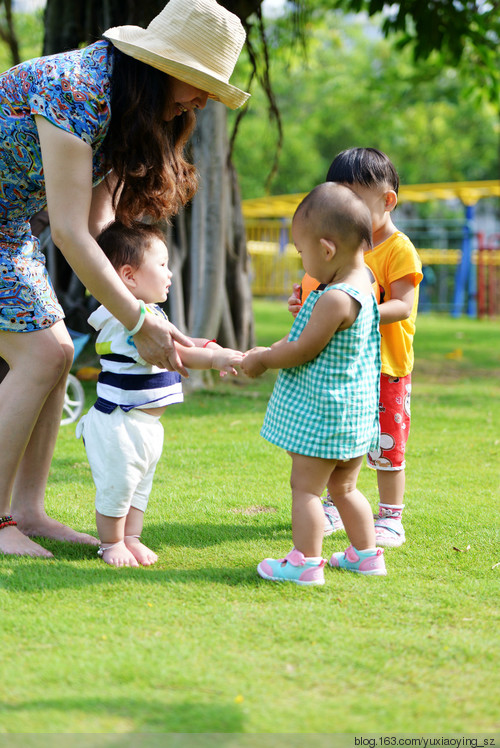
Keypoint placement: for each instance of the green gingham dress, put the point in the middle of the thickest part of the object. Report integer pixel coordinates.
(328, 407)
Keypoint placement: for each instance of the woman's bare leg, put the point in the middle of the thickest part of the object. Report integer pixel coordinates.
(31, 398)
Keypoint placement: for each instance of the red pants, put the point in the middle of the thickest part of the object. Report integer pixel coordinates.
(394, 413)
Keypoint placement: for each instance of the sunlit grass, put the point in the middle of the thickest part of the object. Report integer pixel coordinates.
(199, 644)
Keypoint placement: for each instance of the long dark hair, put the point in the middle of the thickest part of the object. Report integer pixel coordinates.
(145, 152)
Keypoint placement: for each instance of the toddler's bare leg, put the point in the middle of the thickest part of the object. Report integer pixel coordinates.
(353, 507)
(308, 480)
(111, 533)
(391, 486)
(133, 529)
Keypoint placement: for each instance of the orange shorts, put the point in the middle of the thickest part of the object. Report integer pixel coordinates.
(394, 413)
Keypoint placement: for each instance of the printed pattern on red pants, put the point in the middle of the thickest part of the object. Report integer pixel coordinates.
(394, 414)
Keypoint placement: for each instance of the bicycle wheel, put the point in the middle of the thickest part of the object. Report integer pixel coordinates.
(74, 400)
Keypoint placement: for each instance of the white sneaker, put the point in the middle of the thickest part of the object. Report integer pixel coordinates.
(333, 521)
(389, 530)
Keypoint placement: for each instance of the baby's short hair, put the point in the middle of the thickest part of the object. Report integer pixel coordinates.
(366, 166)
(125, 245)
(335, 212)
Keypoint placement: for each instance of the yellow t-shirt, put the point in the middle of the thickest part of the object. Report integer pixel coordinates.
(393, 259)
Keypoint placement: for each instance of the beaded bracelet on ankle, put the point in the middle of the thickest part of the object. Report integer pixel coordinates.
(6, 521)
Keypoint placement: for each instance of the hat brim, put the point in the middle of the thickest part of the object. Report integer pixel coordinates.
(217, 89)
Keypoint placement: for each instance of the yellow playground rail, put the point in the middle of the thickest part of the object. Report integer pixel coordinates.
(475, 264)
(283, 206)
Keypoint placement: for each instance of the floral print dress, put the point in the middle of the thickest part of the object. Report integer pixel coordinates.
(72, 91)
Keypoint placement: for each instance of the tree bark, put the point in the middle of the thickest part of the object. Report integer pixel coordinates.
(8, 33)
(219, 264)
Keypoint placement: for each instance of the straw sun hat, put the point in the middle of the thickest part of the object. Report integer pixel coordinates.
(195, 41)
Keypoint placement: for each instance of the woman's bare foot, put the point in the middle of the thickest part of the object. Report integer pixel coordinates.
(144, 555)
(46, 527)
(117, 554)
(14, 543)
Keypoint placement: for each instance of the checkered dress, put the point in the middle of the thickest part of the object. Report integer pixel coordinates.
(328, 407)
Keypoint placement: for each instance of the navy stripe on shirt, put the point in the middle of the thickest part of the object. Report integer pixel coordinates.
(139, 381)
(118, 357)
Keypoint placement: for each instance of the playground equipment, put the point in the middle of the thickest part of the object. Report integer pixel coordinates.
(488, 275)
(464, 275)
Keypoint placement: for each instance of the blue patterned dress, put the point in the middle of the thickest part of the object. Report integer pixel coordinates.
(73, 91)
(328, 407)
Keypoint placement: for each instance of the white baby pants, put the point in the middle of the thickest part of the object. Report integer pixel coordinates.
(123, 449)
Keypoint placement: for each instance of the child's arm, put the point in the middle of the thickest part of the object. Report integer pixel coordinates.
(334, 311)
(211, 356)
(400, 305)
(204, 343)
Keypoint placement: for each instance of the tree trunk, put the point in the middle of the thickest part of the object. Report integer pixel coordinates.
(8, 34)
(69, 24)
(218, 269)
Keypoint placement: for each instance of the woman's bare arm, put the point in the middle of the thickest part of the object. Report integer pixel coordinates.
(67, 163)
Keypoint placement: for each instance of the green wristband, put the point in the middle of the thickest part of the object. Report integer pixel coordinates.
(140, 321)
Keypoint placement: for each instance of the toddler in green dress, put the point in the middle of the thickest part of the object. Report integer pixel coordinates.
(324, 406)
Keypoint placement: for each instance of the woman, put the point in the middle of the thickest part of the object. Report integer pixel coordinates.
(91, 133)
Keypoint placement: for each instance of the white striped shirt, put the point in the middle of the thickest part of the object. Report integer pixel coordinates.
(126, 380)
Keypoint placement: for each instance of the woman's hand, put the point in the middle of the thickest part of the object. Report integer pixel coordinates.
(155, 344)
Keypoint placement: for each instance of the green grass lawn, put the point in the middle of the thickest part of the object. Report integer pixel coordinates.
(199, 643)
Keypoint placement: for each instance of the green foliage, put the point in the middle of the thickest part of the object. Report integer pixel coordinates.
(353, 89)
(29, 31)
(466, 32)
(199, 644)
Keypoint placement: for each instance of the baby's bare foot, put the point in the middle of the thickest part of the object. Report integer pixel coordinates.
(144, 555)
(46, 527)
(117, 554)
(14, 543)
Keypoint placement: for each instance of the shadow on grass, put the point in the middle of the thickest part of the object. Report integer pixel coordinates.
(176, 534)
(28, 574)
(161, 536)
(52, 575)
(163, 739)
(141, 715)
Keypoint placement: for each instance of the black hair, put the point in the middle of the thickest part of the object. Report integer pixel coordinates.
(334, 211)
(125, 245)
(366, 166)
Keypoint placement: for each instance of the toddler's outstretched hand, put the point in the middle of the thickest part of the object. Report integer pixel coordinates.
(225, 359)
(252, 364)
(294, 302)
